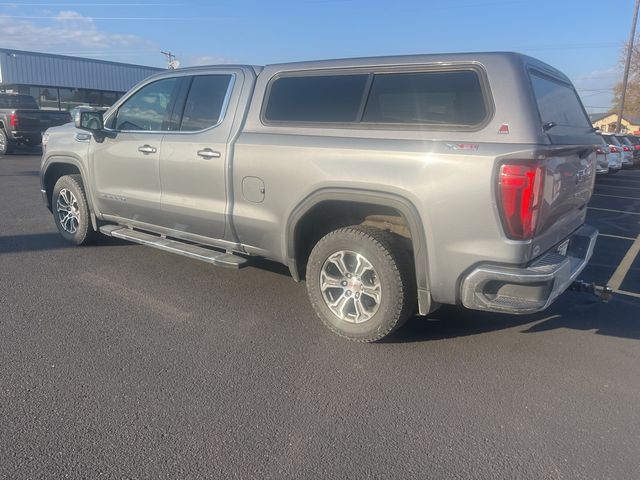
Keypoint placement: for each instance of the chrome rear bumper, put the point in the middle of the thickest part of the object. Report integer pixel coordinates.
(534, 287)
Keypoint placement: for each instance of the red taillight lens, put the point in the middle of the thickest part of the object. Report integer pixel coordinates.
(626, 149)
(599, 151)
(520, 190)
(613, 149)
(637, 147)
(13, 120)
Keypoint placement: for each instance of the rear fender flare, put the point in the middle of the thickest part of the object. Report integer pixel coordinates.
(404, 206)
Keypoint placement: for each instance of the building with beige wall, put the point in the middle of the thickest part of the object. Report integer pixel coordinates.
(607, 122)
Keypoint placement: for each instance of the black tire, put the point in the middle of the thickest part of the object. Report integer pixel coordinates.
(84, 232)
(5, 145)
(393, 266)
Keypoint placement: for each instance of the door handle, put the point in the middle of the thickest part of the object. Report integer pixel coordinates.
(147, 149)
(207, 153)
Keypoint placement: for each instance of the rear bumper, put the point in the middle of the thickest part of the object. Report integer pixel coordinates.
(26, 137)
(531, 288)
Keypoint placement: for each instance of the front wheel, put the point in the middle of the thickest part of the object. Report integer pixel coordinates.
(70, 210)
(360, 282)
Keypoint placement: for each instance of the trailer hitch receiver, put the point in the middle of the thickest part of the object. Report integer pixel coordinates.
(604, 292)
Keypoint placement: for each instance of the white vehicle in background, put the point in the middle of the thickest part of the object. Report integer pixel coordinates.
(602, 159)
(627, 150)
(615, 153)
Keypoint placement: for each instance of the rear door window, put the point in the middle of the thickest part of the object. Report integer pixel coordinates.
(316, 98)
(205, 101)
(558, 102)
(435, 98)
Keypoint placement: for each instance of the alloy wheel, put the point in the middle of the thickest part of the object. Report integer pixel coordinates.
(350, 286)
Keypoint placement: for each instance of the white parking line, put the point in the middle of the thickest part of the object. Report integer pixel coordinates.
(615, 211)
(622, 179)
(616, 196)
(618, 276)
(600, 185)
(615, 236)
(631, 294)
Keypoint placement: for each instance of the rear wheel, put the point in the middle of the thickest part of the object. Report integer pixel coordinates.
(71, 211)
(5, 146)
(360, 282)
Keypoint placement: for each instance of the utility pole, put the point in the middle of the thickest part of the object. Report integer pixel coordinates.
(627, 64)
(173, 63)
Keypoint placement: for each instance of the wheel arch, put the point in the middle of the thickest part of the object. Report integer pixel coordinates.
(55, 167)
(370, 198)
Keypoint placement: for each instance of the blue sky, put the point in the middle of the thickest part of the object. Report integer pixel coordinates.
(583, 38)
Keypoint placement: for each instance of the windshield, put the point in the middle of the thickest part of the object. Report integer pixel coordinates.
(18, 101)
(558, 102)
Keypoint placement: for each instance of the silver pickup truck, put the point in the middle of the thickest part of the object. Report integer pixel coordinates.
(392, 185)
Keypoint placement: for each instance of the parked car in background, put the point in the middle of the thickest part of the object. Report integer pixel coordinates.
(627, 150)
(393, 184)
(602, 158)
(615, 153)
(634, 149)
(23, 123)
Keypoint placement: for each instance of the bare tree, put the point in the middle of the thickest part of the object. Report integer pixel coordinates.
(632, 100)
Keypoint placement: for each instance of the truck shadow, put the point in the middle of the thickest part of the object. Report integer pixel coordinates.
(47, 241)
(576, 311)
(26, 173)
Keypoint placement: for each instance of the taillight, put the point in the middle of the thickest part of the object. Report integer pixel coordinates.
(599, 151)
(13, 120)
(520, 190)
(637, 147)
(626, 149)
(613, 149)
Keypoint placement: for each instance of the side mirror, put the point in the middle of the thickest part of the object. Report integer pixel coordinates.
(91, 121)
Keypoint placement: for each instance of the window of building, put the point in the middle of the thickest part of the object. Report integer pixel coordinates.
(204, 102)
(55, 98)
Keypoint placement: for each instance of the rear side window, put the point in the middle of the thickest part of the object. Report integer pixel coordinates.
(205, 101)
(437, 98)
(18, 101)
(558, 102)
(326, 98)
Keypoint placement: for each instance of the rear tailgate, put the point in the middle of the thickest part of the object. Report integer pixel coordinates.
(569, 162)
(568, 184)
(38, 121)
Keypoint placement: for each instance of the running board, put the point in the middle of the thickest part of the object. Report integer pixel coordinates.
(220, 259)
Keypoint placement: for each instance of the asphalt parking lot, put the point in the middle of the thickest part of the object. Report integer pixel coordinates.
(121, 361)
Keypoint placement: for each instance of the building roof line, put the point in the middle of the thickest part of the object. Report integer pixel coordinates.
(13, 51)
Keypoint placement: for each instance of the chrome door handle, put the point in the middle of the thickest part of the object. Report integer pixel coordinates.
(147, 149)
(207, 153)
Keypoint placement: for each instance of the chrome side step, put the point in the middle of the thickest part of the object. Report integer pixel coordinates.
(221, 259)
